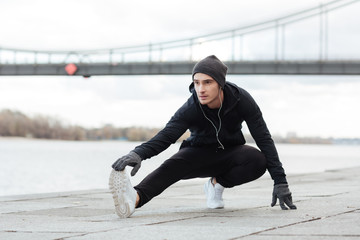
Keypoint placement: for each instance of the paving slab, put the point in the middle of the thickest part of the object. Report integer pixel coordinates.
(328, 208)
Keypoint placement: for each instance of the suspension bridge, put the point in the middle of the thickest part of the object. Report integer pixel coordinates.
(279, 51)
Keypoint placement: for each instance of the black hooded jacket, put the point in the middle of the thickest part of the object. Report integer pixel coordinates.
(238, 106)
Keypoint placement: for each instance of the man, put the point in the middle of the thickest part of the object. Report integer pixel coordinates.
(215, 149)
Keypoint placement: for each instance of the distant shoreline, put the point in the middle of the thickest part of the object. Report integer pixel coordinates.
(308, 141)
(15, 124)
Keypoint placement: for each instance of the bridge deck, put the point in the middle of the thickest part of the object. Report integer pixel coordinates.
(176, 68)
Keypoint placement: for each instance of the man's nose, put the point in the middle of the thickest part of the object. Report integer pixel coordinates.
(201, 88)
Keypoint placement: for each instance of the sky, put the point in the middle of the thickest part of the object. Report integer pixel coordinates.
(323, 106)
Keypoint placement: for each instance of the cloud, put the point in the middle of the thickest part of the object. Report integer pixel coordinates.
(309, 105)
(92, 24)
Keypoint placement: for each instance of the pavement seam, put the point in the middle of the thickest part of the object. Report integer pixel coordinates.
(274, 228)
(84, 234)
(327, 195)
(174, 220)
(149, 224)
(296, 223)
(313, 235)
(16, 231)
(51, 196)
(22, 212)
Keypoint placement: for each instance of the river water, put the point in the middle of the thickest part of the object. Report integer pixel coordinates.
(41, 166)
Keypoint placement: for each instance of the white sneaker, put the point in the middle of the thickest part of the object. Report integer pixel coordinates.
(214, 194)
(123, 193)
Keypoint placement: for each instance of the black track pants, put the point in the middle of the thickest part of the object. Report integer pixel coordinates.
(231, 167)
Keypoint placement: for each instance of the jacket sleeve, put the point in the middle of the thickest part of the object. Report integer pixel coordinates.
(173, 130)
(259, 131)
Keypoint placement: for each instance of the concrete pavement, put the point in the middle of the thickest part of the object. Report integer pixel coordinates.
(328, 208)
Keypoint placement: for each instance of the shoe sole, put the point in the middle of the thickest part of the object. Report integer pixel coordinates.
(117, 185)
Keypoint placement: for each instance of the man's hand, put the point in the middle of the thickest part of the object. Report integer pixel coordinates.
(132, 159)
(282, 192)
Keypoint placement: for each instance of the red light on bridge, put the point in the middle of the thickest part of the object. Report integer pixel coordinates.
(71, 68)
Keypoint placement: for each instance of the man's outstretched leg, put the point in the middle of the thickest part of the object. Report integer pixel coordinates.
(127, 198)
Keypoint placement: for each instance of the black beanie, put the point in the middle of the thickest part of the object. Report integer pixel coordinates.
(213, 67)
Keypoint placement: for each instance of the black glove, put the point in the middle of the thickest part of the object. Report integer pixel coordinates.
(282, 192)
(132, 159)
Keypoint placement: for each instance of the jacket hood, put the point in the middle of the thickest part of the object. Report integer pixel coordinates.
(191, 87)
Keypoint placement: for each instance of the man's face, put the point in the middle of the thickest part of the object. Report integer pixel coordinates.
(207, 90)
